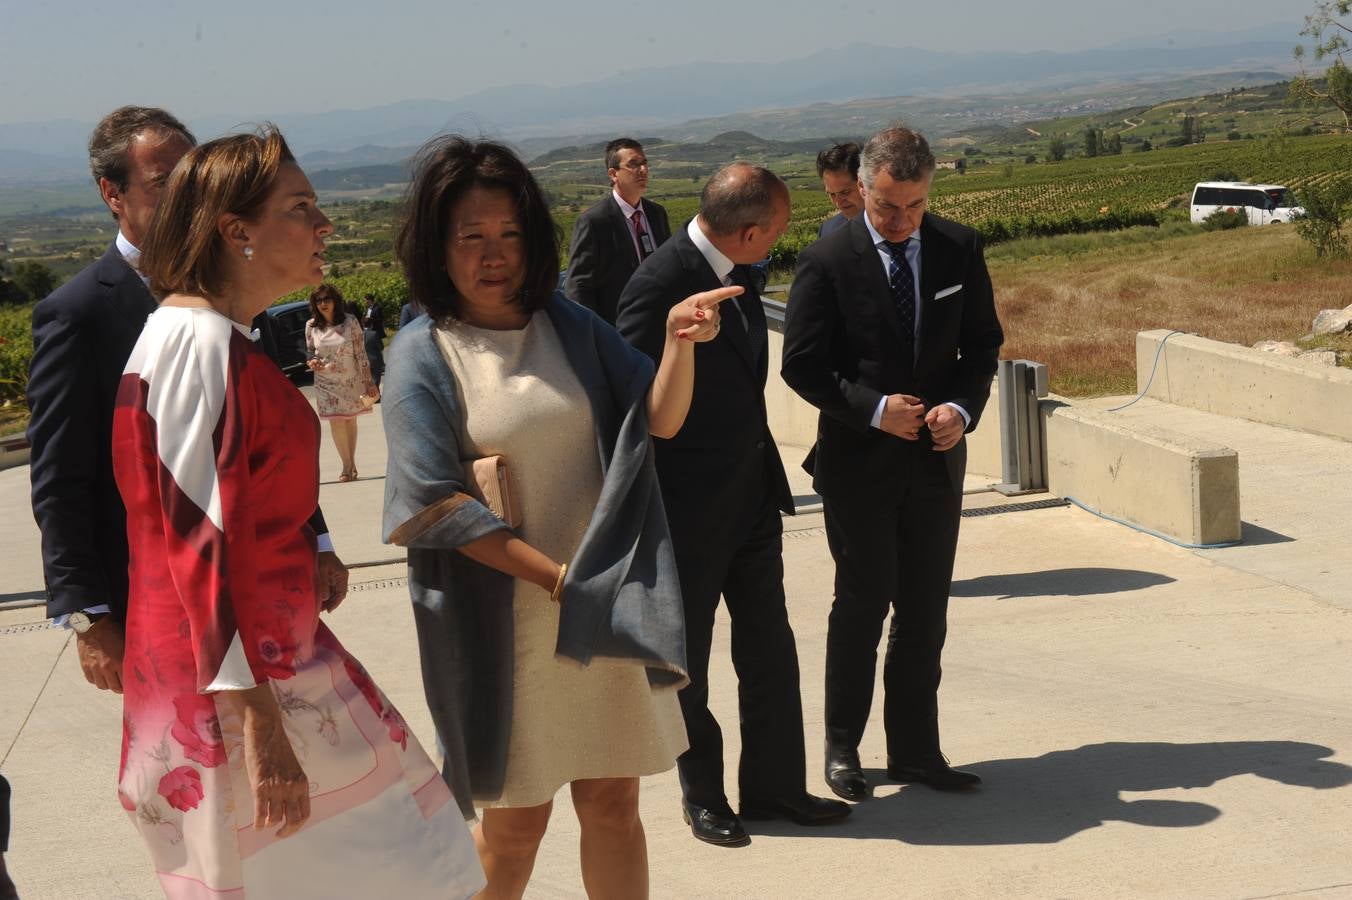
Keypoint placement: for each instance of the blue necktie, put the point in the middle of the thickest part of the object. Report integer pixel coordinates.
(902, 281)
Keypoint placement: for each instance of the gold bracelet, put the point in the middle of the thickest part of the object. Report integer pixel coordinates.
(555, 594)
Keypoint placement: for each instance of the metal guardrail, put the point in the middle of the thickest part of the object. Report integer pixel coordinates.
(1023, 460)
(774, 309)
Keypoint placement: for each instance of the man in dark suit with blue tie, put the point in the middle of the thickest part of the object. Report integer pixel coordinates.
(83, 333)
(617, 233)
(892, 333)
(838, 168)
(728, 535)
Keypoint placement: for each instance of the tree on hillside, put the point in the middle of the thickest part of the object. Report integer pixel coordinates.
(1192, 132)
(1327, 207)
(1093, 141)
(34, 279)
(1056, 151)
(9, 291)
(1331, 40)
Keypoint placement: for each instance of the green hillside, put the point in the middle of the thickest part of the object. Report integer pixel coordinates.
(1236, 113)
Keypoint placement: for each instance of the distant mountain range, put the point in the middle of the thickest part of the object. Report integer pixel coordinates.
(695, 100)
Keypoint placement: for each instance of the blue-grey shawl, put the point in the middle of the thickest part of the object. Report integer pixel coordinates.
(621, 598)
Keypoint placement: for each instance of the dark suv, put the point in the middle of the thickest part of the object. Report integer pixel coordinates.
(288, 322)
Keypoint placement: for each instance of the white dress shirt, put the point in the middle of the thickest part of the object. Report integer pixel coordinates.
(913, 260)
(717, 261)
(131, 254)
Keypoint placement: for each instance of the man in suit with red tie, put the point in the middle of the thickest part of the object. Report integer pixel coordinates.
(891, 332)
(615, 234)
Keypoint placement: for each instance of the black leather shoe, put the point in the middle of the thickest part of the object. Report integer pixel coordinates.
(844, 774)
(936, 773)
(804, 810)
(714, 827)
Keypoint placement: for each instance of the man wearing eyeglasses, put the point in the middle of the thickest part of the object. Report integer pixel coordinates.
(616, 234)
(838, 168)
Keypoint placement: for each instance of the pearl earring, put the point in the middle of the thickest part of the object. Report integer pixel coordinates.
(248, 253)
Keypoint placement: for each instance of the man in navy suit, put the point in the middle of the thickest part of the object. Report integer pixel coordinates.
(838, 168)
(891, 332)
(728, 537)
(615, 234)
(83, 334)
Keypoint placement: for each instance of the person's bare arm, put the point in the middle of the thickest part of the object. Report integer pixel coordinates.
(504, 551)
(281, 790)
(694, 320)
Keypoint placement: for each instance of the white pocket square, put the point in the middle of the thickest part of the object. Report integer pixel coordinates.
(948, 290)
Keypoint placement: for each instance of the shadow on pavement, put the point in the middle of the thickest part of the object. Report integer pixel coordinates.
(1046, 799)
(22, 596)
(1076, 582)
(1251, 535)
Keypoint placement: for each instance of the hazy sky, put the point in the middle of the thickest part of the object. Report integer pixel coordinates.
(65, 59)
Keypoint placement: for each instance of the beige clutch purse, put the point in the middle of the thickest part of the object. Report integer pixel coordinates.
(492, 486)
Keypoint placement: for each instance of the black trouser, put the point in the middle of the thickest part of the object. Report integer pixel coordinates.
(737, 553)
(4, 815)
(892, 548)
(375, 354)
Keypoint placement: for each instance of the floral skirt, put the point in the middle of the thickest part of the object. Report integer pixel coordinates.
(382, 820)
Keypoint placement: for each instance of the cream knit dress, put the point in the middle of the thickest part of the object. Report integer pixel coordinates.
(522, 399)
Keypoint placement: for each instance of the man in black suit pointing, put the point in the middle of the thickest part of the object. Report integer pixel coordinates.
(727, 535)
(616, 233)
(891, 332)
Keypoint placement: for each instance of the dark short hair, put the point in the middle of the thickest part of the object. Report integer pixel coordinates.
(327, 291)
(613, 151)
(840, 158)
(444, 170)
(738, 195)
(183, 252)
(903, 153)
(110, 143)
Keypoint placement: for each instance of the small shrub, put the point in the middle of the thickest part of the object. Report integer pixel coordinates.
(16, 349)
(1225, 219)
(1327, 207)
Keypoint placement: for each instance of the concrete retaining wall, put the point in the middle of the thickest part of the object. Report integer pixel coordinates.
(13, 452)
(1150, 477)
(1230, 380)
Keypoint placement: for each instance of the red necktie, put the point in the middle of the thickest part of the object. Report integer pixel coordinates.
(639, 234)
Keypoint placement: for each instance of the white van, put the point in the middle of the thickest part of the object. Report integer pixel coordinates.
(1266, 204)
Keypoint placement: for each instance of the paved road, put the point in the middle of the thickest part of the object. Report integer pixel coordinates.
(1150, 721)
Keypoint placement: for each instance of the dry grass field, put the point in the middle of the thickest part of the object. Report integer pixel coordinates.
(1076, 303)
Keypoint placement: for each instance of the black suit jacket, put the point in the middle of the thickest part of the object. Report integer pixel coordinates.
(82, 335)
(726, 433)
(842, 348)
(603, 257)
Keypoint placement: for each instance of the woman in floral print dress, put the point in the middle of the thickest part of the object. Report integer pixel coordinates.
(259, 759)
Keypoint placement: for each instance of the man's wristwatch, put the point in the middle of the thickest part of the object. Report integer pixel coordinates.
(81, 621)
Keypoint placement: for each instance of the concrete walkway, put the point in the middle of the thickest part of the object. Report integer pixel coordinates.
(1150, 721)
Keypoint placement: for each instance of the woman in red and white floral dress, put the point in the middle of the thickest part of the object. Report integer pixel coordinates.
(259, 759)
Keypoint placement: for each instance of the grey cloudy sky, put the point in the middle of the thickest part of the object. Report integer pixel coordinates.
(62, 59)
